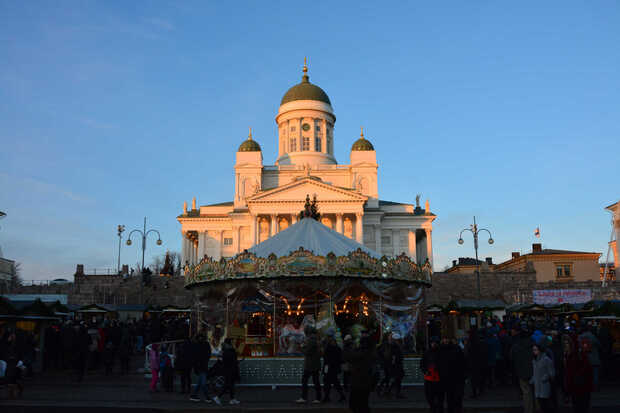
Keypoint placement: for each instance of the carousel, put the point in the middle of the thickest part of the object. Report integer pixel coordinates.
(306, 275)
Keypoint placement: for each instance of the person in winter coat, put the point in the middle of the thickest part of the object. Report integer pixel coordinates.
(521, 356)
(332, 360)
(347, 347)
(452, 367)
(183, 365)
(231, 371)
(165, 366)
(108, 358)
(361, 360)
(200, 355)
(543, 373)
(477, 360)
(593, 349)
(384, 353)
(312, 365)
(154, 362)
(430, 369)
(397, 368)
(579, 379)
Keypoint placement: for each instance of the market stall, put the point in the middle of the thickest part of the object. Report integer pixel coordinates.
(306, 275)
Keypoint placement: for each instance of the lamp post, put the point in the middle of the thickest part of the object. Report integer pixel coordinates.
(475, 230)
(144, 234)
(121, 229)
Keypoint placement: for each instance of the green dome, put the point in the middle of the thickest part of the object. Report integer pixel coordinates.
(362, 144)
(249, 145)
(305, 91)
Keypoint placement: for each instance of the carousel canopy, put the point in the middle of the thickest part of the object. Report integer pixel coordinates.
(311, 235)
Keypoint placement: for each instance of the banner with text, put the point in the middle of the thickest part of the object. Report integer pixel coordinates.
(562, 296)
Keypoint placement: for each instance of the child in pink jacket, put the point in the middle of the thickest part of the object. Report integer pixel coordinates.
(154, 361)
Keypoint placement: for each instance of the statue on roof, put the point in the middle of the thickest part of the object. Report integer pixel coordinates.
(311, 210)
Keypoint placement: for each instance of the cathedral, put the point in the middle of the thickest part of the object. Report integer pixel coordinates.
(268, 198)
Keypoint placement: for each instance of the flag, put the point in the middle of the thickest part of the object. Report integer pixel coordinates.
(537, 232)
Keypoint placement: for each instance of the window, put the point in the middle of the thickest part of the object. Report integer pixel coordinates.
(305, 146)
(318, 128)
(317, 144)
(292, 128)
(227, 241)
(329, 145)
(563, 270)
(293, 145)
(386, 240)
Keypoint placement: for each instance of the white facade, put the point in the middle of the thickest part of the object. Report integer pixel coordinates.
(615, 242)
(267, 198)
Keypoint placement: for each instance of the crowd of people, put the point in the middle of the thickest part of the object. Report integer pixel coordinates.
(549, 363)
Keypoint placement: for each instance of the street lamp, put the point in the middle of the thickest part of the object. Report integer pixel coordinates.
(121, 229)
(475, 230)
(144, 234)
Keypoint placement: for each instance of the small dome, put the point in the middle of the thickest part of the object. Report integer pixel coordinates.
(249, 145)
(362, 144)
(305, 91)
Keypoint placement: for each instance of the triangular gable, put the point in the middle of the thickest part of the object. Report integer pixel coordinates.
(297, 191)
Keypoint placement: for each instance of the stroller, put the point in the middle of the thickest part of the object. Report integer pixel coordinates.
(215, 375)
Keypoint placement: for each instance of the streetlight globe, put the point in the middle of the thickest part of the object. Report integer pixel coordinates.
(128, 242)
(461, 241)
(491, 241)
(158, 242)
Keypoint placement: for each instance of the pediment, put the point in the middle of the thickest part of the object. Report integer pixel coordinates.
(296, 191)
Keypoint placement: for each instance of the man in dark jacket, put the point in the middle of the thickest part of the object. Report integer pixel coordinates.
(230, 367)
(521, 356)
(312, 365)
(452, 368)
(332, 360)
(200, 355)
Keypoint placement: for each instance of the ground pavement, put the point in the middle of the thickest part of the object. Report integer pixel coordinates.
(55, 391)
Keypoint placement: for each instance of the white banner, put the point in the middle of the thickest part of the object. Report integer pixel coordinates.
(562, 296)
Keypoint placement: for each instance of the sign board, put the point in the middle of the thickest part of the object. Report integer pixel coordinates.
(562, 296)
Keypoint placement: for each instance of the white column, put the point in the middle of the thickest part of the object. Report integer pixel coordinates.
(183, 249)
(195, 251)
(396, 241)
(429, 245)
(378, 246)
(253, 229)
(412, 246)
(272, 227)
(202, 244)
(359, 231)
(339, 227)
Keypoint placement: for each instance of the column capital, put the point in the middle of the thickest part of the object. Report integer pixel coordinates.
(359, 214)
(339, 214)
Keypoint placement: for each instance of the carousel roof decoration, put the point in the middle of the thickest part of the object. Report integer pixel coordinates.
(308, 249)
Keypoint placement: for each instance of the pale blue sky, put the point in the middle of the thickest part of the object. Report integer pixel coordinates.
(110, 111)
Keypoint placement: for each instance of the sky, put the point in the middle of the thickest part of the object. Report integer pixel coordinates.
(111, 111)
